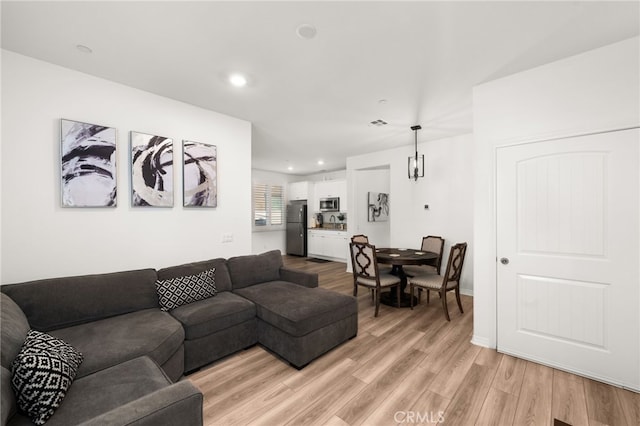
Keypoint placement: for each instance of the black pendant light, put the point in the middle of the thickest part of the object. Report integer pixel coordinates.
(415, 165)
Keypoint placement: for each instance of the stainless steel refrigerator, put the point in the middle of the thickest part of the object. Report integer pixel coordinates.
(297, 228)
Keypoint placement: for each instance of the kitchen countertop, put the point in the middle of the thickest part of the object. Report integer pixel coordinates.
(332, 229)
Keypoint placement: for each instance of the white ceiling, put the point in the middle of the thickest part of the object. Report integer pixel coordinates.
(314, 99)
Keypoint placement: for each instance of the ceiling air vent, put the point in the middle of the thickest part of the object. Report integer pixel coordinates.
(379, 122)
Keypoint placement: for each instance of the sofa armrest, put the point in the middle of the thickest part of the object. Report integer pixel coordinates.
(305, 279)
(178, 404)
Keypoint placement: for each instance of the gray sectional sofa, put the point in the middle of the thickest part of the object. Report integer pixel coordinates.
(135, 354)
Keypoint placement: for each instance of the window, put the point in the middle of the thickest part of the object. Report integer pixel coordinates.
(268, 205)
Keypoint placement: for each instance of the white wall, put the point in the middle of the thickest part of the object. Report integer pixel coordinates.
(1, 145)
(41, 239)
(315, 177)
(447, 187)
(271, 239)
(592, 92)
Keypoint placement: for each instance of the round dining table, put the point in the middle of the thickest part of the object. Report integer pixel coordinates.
(397, 258)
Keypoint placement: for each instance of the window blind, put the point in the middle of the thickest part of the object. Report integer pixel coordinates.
(268, 204)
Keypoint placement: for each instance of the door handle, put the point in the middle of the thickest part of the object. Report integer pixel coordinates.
(504, 261)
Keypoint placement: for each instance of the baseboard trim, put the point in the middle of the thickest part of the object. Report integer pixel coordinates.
(482, 341)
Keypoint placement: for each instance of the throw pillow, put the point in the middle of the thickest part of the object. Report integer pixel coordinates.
(42, 374)
(180, 291)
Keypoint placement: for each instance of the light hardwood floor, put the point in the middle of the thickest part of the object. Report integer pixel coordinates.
(404, 367)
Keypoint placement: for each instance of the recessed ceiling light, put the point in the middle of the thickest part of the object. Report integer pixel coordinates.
(238, 80)
(306, 31)
(290, 168)
(83, 48)
(320, 162)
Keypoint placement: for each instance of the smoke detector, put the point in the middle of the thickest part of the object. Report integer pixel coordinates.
(306, 31)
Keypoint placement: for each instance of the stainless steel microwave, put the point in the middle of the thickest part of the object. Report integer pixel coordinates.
(330, 204)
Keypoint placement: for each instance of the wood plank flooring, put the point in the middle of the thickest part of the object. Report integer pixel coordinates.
(404, 367)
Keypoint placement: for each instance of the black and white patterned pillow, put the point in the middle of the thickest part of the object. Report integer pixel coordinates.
(180, 291)
(42, 373)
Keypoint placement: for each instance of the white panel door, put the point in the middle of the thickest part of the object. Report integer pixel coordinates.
(568, 231)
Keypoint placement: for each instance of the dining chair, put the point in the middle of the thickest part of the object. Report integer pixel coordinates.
(367, 274)
(442, 283)
(360, 238)
(434, 244)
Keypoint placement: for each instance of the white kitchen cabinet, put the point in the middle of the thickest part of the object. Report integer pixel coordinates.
(315, 245)
(327, 244)
(298, 191)
(335, 245)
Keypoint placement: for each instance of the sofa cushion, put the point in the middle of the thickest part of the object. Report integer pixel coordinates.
(105, 390)
(296, 276)
(42, 373)
(13, 330)
(223, 281)
(64, 302)
(214, 314)
(298, 310)
(112, 341)
(174, 292)
(8, 398)
(249, 270)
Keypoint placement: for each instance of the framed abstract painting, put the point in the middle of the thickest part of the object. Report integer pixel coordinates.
(200, 174)
(88, 164)
(378, 207)
(151, 170)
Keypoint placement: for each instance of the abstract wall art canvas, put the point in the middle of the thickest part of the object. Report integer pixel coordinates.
(378, 207)
(200, 174)
(151, 170)
(88, 163)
